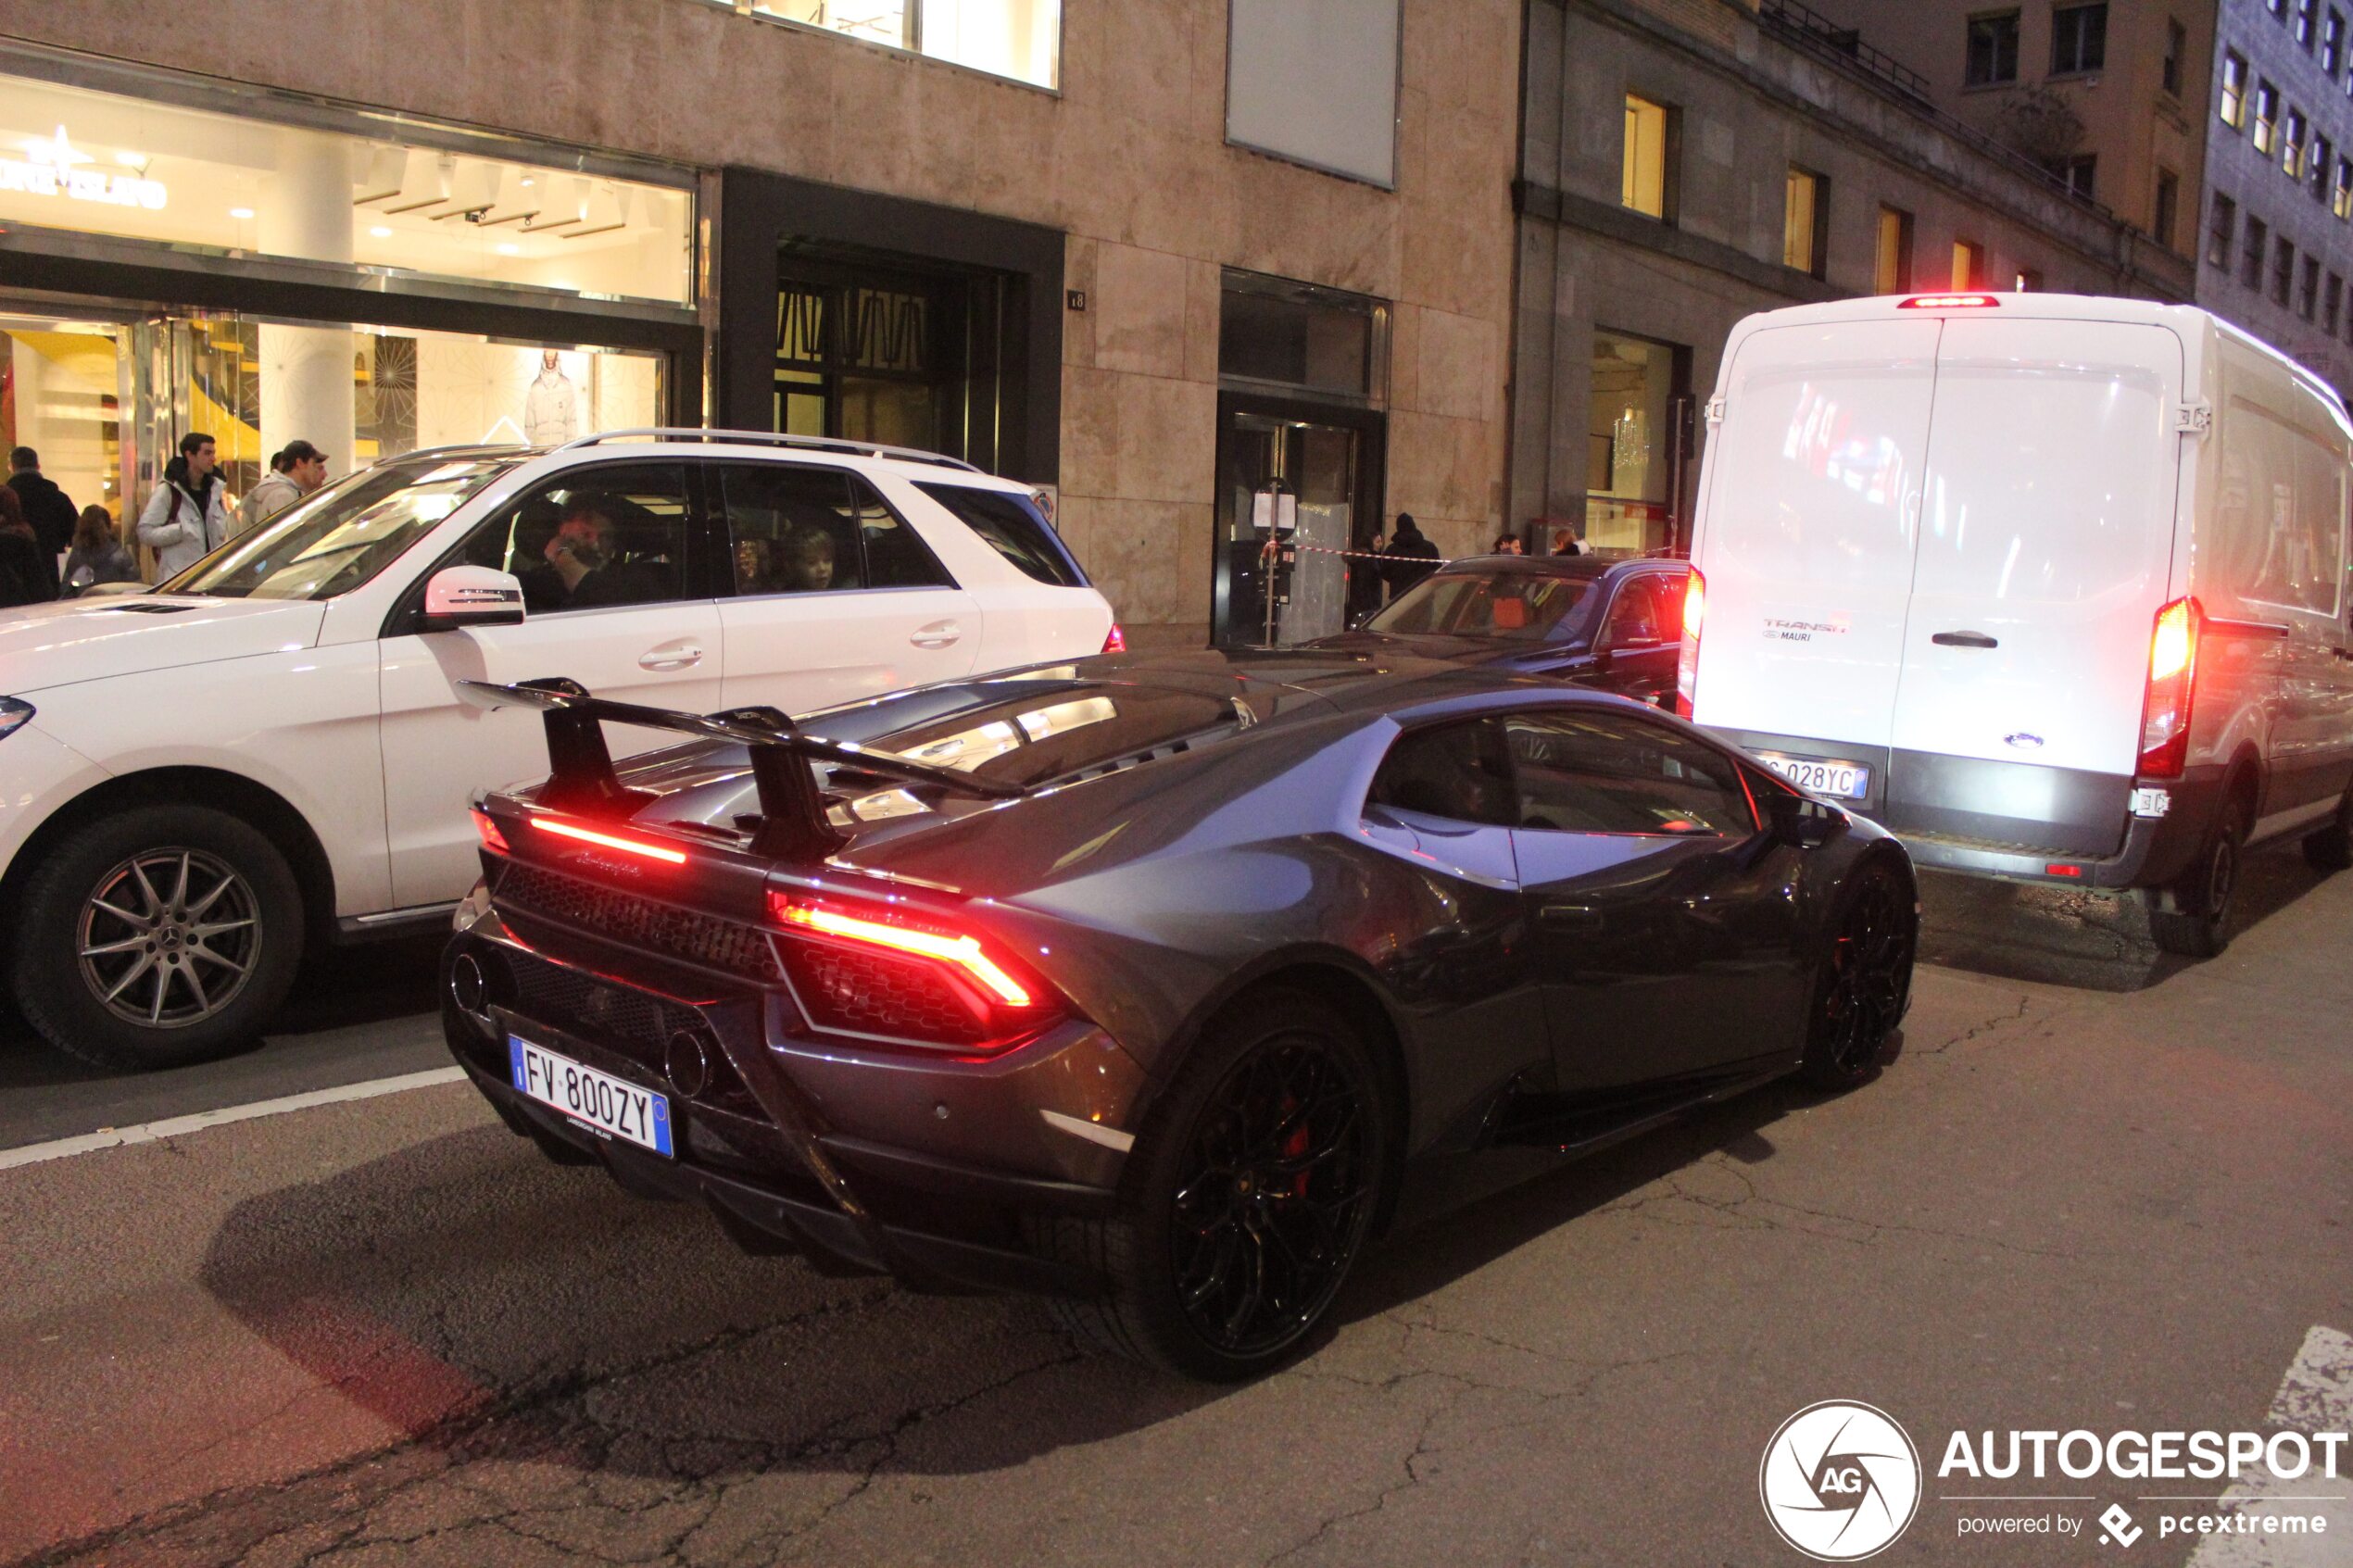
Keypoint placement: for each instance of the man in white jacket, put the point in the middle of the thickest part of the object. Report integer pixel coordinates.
(186, 518)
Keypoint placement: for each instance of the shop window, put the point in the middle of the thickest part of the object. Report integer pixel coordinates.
(2167, 210)
(2267, 116)
(1647, 183)
(98, 163)
(2233, 102)
(1992, 50)
(1892, 270)
(1281, 334)
(1804, 220)
(2257, 245)
(1630, 474)
(2221, 227)
(1021, 39)
(2079, 39)
(1968, 265)
(2177, 44)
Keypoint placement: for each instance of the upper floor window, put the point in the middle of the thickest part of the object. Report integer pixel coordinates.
(2308, 295)
(2332, 304)
(1020, 41)
(2235, 90)
(1645, 183)
(2283, 270)
(2167, 210)
(2177, 42)
(1892, 273)
(2079, 39)
(1992, 49)
(2304, 27)
(2318, 166)
(2267, 116)
(2292, 145)
(1804, 220)
(1968, 265)
(2029, 281)
(2341, 201)
(2257, 246)
(2082, 174)
(2332, 41)
(2221, 226)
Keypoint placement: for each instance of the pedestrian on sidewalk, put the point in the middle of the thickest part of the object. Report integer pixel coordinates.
(186, 518)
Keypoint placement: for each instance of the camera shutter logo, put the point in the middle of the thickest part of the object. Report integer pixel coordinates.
(1840, 1480)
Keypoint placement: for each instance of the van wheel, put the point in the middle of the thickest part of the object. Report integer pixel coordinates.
(2331, 849)
(2199, 925)
(1248, 1198)
(163, 935)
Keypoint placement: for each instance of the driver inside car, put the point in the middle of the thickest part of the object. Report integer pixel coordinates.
(582, 572)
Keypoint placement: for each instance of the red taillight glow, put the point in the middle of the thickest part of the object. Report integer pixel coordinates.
(609, 841)
(487, 830)
(1115, 640)
(1950, 302)
(2055, 869)
(964, 952)
(2165, 714)
(1687, 661)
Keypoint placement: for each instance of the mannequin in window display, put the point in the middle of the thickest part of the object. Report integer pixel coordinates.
(551, 408)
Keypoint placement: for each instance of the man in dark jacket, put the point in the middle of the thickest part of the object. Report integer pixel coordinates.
(1411, 556)
(51, 515)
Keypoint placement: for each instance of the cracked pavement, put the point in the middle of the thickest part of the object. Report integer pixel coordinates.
(2096, 1189)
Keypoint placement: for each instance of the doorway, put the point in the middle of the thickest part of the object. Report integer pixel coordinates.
(1299, 488)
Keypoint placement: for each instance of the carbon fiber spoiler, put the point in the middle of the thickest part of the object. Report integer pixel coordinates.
(793, 821)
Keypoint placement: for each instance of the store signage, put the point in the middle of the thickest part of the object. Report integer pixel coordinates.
(54, 169)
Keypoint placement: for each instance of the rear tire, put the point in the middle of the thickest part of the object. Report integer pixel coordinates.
(1248, 1198)
(2331, 849)
(2199, 925)
(189, 917)
(1864, 985)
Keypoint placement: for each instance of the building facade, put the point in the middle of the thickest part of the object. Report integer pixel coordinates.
(1685, 163)
(1174, 260)
(2277, 247)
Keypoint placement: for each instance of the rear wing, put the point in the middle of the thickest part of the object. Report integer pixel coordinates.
(793, 821)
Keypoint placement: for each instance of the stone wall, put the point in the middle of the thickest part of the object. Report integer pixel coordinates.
(1129, 157)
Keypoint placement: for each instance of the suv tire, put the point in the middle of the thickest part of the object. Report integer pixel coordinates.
(2199, 925)
(1266, 1154)
(189, 915)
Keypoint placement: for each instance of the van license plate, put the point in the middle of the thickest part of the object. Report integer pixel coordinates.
(610, 1105)
(1848, 781)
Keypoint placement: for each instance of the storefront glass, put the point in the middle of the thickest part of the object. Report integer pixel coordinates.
(1630, 456)
(71, 159)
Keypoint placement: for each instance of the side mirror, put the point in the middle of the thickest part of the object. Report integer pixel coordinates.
(459, 596)
(1802, 823)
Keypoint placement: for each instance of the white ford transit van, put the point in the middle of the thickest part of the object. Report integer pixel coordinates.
(2053, 586)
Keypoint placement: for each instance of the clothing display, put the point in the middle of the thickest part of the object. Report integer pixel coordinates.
(550, 409)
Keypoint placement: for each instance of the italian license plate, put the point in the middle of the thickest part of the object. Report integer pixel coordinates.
(610, 1105)
(1848, 781)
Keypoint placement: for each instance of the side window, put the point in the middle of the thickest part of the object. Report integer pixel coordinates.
(790, 529)
(1460, 772)
(1637, 616)
(1013, 530)
(592, 538)
(896, 554)
(1606, 772)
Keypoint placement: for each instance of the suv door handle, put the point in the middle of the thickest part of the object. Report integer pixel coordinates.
(939, 634)
(671, 656)
(1965, 640)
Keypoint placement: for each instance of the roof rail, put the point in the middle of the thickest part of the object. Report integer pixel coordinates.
(773, 438)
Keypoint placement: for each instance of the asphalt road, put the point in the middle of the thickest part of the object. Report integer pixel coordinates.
(2096, 1189)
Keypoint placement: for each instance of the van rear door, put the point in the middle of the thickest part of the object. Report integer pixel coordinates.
(2046, 545)
(1806, 545)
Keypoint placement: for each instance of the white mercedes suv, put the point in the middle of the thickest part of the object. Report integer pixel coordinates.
(265, 754)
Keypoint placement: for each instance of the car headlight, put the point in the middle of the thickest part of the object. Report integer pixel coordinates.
(14, 714)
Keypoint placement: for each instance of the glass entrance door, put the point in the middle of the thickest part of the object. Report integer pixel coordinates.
(1287, 511)
(63, 387)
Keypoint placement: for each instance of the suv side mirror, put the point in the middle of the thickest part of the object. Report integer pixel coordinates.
(459, 596)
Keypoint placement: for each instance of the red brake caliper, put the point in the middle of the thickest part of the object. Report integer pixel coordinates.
(1295, 1146)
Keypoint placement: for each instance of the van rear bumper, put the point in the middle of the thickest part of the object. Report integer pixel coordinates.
(2157, 850)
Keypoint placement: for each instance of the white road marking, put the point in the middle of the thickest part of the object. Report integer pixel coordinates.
(2315, 1396)
(150, 1132)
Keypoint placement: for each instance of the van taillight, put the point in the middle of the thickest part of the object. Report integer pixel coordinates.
(897, 974)
(2165, 713)
(1687, 662)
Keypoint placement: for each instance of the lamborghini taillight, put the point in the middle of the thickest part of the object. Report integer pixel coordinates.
(918, 977)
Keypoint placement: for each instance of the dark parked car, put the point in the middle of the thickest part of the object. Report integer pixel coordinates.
(1151, 982)
(1612, 622)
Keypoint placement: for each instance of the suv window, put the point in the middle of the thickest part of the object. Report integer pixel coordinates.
(592, 538)
(1639, 614)
(1460, 772)
(1607, 772)
(1014, 529)
(793, 528)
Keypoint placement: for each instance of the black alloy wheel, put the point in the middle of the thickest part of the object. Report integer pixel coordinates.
(1864, 982)
(2199, 925)
(1248, 1195)
(156, 936)
(1274, 1197)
